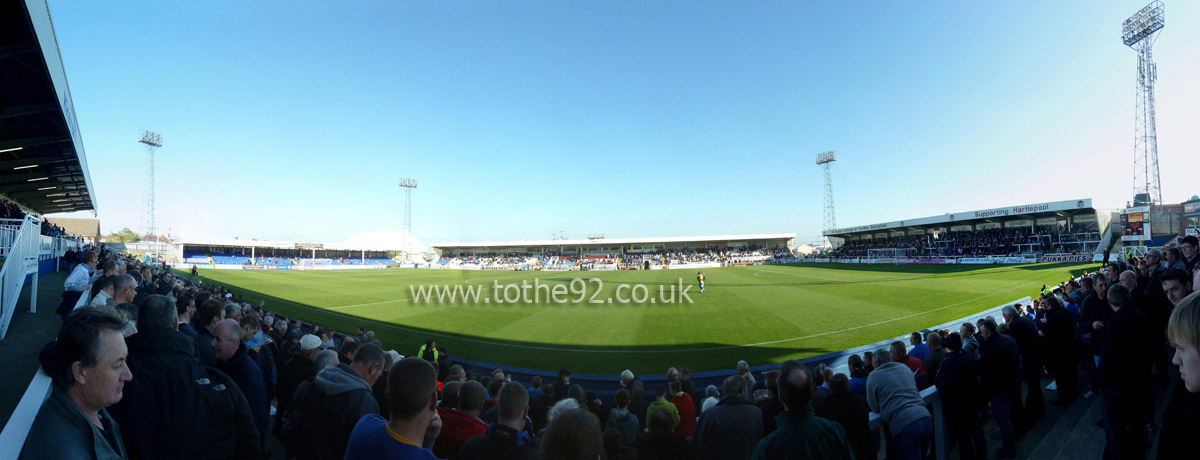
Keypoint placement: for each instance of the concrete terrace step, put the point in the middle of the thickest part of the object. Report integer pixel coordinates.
(1085, 440)
(1073, 419)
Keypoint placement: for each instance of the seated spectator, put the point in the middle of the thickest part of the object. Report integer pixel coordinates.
(730, 429)
(459, 425)
(892, 392)
(231, 357)
(687, 409)
(660, 401)
(851, 412)
(88, 371)
(414, 424)
(573, 434)
(622, 421)
(801, 434)
(919, 349)
(711, 397)
(505, 438)
(958, 382)
(662, 441)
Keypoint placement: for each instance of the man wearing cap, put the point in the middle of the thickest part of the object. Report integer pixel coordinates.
(298, 369)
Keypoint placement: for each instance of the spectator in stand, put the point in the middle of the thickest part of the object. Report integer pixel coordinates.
(505, 438)
(1092, 315)
(687, 409)
(914, 365)
(169, 382)
(660, 400)
(77, 284)
(540, 407)
(104, 296)
(852, 412)
(771, 406)
(662, 441)
(801, 434)
(573, 434)
(892, 392)
(1029, 345)
(412, 400)
(743, 369)
(1124, 373)
(535, 388)
(445, 362)
(1181, 420)
(298, 369)
(562, 383)
(88, 372)
(999, 361)
(186, 309)
(576, 392)
(919, 350)
(970, 342)
(428, 352)
(462, 424)
(958, 382)
(596, 407)
(231, 357)
(731, 429)
(711, 397)
(858, 375)
(208, 315)
(628, 380)
(1061, 347)
(689, 387)
(1176, 284)
(346, 353)
(936, 354)
(1175, 259)
(638, 405)
(1190, 247)
(325, 409)
(624, 422)
(252, 338)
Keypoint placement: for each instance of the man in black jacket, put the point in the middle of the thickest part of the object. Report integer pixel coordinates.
(732, 428)
(1124, 374)
(998, 361)
(1029, 345)
(298, 369)
(851, 412)
(957, 381)
(327, 409)
(174, 407)
(208, 314)
(1061, 349)
(505, 438)
(231, 357)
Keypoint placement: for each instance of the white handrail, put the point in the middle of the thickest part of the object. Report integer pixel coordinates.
(21, 259)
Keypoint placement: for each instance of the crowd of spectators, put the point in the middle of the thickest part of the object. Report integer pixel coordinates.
(544, 261)
(158, 367)
(977, 243)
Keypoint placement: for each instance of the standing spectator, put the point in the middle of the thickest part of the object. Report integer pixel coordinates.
(730, 429)
(936, 354)
(801, 434)
(711, 397)
(662, 441)
(970, 342)
(505, 438)
(1176, 285)
(1123, 376)
(562, 383)
(168, 382)
(186, 308)
(660, 400)
(852, 412)
(414, 424)
(915, 366)
(76, 284)
(328, 408)
(299, 369)
(208, 315)
(88, 372)
(540, 407)
(462, 424)
(1029, 346)
(428, 352)
(1092, 315)
(1191, 255)
(573, 434)
(998, 366)
(624, 422)
(638, 405)
(686, 409)
(231, 357)
(1182, 418)
(919, 350)
(772, 406)
(1061, 349)
(958, 382)
(892, 392)
(689, 387)
(743, 369)
(858, 375)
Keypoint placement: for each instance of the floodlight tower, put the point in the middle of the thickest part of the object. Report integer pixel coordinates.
(408, 185)
(825, 160)
(1139, 32)
(151, 141)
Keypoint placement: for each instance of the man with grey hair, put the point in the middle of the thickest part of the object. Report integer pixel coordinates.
(124, 289)
(504, 439)
(177, 408)
(743, 369)
(328, 406)
(732, 428)
(323, 359)
(230, 353)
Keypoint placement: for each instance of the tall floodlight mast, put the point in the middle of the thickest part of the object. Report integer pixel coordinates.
(151, 141)
(825, 160)
(408, 185)
(1139, 32)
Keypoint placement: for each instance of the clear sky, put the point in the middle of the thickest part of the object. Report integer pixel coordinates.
(294, 121)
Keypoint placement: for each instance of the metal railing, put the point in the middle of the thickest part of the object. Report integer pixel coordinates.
(20, 260)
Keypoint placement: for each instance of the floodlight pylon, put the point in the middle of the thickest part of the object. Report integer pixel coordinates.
(1139, 32)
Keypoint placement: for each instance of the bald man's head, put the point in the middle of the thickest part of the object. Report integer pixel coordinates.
(1129, 279)
(226, 339)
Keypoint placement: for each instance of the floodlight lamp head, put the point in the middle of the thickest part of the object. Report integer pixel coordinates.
(827, 157)
(150, 138)
(1143, 24)
(408, 183)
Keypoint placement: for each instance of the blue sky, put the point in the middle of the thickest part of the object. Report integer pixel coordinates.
(520, 119)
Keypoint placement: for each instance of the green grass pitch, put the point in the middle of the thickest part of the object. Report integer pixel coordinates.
(762, 314)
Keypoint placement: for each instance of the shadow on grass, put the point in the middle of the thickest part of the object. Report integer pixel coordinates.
(699, 355)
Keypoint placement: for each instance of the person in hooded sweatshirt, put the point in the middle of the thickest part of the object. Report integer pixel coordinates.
(621, 420)
(328, 407)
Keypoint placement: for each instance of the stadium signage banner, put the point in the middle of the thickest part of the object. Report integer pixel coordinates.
(821, 260)
(1057, 258)
(994, 260)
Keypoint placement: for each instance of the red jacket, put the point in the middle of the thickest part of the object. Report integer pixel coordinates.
(457, 427)
(918, 369)
(687, 413)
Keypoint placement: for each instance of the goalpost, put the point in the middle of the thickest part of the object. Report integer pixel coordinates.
(889, 253)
